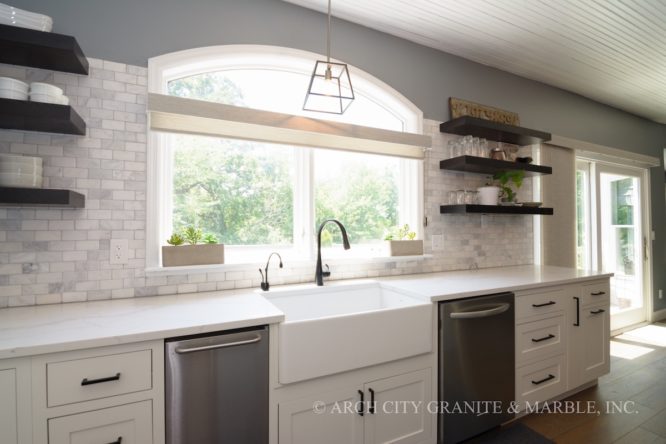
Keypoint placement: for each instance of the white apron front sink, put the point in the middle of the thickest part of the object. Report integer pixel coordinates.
(334, 329)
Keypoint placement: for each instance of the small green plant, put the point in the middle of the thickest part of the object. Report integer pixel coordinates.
(210, 239)
(400, 233)
(192, 235)
(175, 240)
(506, 180)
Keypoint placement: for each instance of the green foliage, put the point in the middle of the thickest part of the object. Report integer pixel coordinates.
(210, 239)
(192, 235)
(175, 240)
(212, 86)
(400, 233)
(506, 180)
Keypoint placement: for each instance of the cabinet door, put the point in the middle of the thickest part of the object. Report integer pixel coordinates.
(399, 413)
(8, 407)
(329, 418)
(589, 345)
(126, 424)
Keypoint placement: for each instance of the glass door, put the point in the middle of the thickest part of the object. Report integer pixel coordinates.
(621, 241)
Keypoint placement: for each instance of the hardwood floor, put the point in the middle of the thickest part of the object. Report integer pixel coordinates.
(638, 375)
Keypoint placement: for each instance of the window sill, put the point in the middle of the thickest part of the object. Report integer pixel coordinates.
(216, 268)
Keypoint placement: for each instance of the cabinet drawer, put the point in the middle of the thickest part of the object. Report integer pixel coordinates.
(542, 380)
(98, 377)
(126, 424)
(539, 303)
(597, 292)
(539, 339)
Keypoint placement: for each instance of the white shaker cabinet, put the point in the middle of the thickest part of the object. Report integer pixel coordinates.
(589, 344)
(15, 415)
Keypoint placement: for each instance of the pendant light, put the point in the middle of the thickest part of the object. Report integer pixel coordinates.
(330, 89)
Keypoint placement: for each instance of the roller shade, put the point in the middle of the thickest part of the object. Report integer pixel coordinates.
(187, 116)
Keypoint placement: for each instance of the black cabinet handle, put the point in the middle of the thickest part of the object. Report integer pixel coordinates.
(117, 441)
(541, 381)
(577, 323)
(544, 304)
(545, 338)
(598, 293)
(596, 312)
(87, 381)
(371, 409)
(360, 411)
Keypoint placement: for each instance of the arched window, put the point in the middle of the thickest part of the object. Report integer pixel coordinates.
(260, 197)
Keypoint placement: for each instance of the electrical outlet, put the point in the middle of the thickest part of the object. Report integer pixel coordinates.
(661, 294)
(119, 251)
(437, 242)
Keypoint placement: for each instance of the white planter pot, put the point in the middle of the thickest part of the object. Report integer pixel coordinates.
(488, 195)
(183, 255)
(405, 247)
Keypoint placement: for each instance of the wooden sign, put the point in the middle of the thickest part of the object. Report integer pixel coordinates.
(459, 108)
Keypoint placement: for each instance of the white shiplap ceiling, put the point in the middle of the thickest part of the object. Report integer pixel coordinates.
(613, 51)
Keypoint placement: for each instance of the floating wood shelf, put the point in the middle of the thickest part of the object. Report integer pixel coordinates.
(45, 117)
(482, 165)
(41, 197)
(498, 132)
(46, 50)
(493, 209)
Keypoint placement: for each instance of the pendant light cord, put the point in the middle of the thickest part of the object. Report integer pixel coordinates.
(328, 35)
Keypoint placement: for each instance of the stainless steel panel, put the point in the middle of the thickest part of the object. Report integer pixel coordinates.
(476, 362)
(217, 388)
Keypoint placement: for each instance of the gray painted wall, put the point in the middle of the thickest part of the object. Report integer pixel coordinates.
(131, 31)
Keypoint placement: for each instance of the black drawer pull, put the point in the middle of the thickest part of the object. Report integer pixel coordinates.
(360, 411)
(596, 312)
(544, 304)
(371, 408)
(598, 293)
(577, 323)
(541, 381)
(118, 441)
(545, 338)
(87, 381)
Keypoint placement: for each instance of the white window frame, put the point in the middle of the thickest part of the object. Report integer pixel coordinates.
(165, 68)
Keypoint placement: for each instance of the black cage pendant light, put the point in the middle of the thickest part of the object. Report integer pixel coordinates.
(330, 89)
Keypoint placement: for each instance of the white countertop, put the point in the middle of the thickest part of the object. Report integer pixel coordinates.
(462, 284)
(26, 331)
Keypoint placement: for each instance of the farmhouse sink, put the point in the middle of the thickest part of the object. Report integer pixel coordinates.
(334, 329)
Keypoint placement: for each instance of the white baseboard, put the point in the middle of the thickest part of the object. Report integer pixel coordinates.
(659, 315)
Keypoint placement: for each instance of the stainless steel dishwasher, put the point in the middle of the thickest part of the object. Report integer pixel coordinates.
(217, 388)
(476, 365)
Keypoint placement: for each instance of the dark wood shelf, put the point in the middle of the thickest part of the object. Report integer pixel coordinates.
(493, 209)
(482, 165)
(41, 197)
(498, 132)
(46, 50)
(45, 117)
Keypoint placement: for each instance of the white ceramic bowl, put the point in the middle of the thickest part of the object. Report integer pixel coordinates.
(44, 98)
(45, 88)
(11, 94)
(20, 180)
(13, 84)
(63, 100)
(10, 15)
(21, 169)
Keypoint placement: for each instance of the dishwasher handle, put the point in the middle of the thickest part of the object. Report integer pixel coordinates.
(501, 308)
(256, 338)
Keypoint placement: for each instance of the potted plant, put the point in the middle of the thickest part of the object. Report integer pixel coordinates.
(505, 181)
(202, 250)
(402, 242)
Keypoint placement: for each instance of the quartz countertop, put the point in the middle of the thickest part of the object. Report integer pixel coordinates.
(26, 331)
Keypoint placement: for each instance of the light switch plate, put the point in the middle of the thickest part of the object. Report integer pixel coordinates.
(119, 251)
(437, 242)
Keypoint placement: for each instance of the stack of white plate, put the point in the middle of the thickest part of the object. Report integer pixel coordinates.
(13, 89)
(20, 171)
(43, 92)
(12, 16)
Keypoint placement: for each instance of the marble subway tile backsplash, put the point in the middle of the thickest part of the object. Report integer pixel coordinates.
(50, 255)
